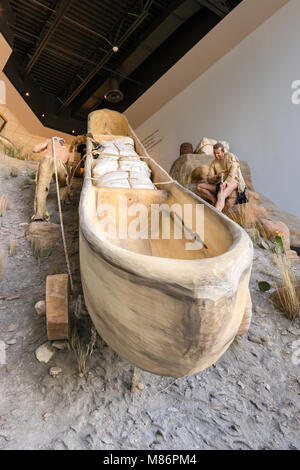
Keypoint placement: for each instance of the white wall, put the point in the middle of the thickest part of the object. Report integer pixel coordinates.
(245, 98)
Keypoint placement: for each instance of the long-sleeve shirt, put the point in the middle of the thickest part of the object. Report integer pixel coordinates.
(229, 165)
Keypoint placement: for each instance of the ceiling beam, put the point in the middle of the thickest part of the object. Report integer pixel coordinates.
(216, 6)
(47, 33)
(107, 56)
(67, 54)
(177, 14)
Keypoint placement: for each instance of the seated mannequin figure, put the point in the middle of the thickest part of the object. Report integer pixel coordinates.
(223, 178)
(46, 171)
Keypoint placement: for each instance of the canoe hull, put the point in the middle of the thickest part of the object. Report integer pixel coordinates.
(151, 324)
(165, 311)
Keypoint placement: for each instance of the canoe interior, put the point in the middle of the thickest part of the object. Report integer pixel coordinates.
(216, 235)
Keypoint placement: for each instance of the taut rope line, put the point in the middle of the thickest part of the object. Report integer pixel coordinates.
(60, 215)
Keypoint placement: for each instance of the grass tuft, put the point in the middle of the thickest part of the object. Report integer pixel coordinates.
(12, 247)
(287, 296)
(15, 171)
(3, 205)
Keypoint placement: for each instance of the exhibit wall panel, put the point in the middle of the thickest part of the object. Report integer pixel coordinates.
(246, 98)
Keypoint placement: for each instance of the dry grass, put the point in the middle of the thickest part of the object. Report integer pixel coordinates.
(135, 378)
(3, 205)
(288, 294)
(12, 247)
(79, 350)
(243, 215)
(15, 151)
(40, 249)
(15, 171)
(259, 226)
(83, 351)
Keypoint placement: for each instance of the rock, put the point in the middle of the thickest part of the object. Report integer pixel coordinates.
(60, 345)
(140, 386)
(11, 341)
(199, 174)
(55, 371)
(253, 339)
(240, 384)
(45, 352)
(12, 328)
(46, 416)
(272, 228)
(40, 307)
(292, 255)
(43, 234)
(267, 387)
(253, 197)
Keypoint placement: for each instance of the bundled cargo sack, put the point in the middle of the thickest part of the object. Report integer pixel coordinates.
(141, 184)
(113, 176)
(138, 166)
(206, 146)
(123, 146)
(105, 165)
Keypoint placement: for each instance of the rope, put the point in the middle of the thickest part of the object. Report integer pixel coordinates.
(60, 215)
(73, 171)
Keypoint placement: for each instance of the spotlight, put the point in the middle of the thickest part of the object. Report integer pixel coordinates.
(43, 115)
(115, 48)
(73, 131)
(27, 93)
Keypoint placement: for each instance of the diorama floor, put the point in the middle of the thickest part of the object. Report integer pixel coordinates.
(248, 400)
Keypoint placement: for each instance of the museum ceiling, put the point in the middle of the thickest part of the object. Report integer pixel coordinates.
(71, 57)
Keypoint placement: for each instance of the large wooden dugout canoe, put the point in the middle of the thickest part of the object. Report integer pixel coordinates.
(165, 309)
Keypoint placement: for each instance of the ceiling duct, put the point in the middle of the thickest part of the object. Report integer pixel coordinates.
(114, 94)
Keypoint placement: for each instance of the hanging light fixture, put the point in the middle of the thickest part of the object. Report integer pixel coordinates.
(114, 94)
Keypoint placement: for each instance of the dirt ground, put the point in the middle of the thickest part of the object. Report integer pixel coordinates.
(248, 400)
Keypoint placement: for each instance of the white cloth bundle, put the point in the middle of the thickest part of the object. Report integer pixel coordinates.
(206, 146)
(137, 166)
(122, 167)
(121, 146)
(105, 165)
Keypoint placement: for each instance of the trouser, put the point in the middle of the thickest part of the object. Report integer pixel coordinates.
(44, 175)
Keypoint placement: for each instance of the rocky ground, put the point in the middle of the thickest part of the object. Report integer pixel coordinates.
(248, 400)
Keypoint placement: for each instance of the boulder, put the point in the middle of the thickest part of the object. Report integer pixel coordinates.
(183, 167)
(272, 228)
(206, 146)
(43, 235)
(253, 197)
(199, 174)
